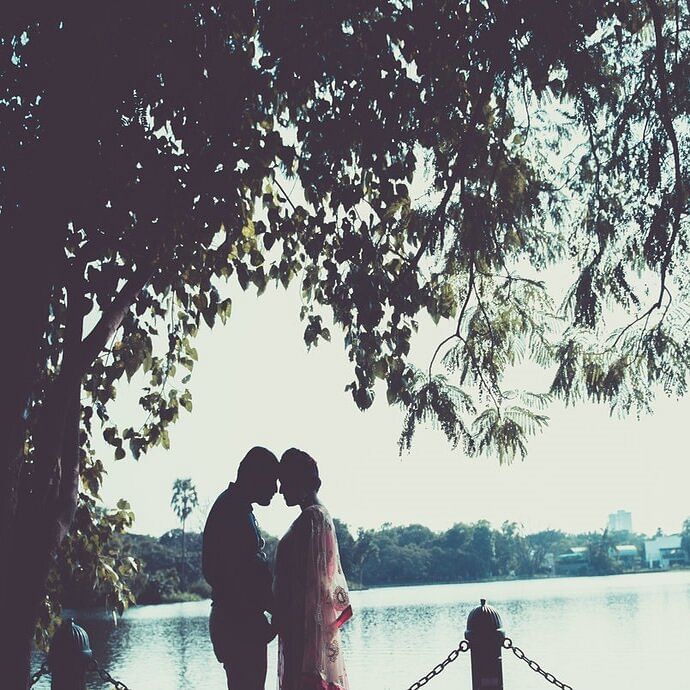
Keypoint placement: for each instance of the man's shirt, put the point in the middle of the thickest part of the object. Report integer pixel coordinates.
(233, 561)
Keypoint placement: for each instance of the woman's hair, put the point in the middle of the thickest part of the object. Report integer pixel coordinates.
(302, 467)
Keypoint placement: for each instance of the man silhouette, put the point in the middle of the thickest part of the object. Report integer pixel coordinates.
(235, 566)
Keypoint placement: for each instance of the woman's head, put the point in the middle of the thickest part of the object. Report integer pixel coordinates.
(299, 476)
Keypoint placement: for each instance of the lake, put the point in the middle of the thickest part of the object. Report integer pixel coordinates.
(595, 633)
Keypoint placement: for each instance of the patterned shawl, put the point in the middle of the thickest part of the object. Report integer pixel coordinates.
(312, 603)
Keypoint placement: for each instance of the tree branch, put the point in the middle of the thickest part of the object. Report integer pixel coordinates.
(57, 437)
(452, 336)
(470, 285)
(439, 214)
(287, 196)
(679, 196)
(68, 484)
(486, 317)
(666, 119)
(111, 319)
(457, 173)
(645, 315)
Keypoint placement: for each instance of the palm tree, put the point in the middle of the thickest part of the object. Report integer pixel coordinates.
(184, 500)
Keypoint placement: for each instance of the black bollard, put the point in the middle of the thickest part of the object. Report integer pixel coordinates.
(485, 634)
(69, 656)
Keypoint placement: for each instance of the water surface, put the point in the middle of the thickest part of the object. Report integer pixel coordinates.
(623, 632)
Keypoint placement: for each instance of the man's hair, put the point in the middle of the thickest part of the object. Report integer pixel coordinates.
(258, 462)
(302, 467)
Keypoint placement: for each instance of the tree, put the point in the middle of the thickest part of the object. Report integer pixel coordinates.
(483, 548)
(507, 545)
(365, 549)
(600, 559)
(346, 546)
(685, 537)
(443, 156)
(414, 534)
(540, 544)
(184, 500)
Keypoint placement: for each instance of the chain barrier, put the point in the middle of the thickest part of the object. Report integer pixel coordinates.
(462, 647)
(105, 676)
(508, 644)
(39, 674)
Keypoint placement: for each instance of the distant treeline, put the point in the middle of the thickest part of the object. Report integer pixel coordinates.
(413, 554)
(467, 552)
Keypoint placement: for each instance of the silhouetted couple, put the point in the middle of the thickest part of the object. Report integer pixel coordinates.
(307, 594)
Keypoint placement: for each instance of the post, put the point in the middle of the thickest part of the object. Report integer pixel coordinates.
(485, 635)
(69, 656)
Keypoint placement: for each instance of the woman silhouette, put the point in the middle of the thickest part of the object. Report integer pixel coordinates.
(311, 596)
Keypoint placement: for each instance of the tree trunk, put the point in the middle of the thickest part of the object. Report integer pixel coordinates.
(33, 262)
(183, 579)
(45, 188)
(38, 507)
(35, 226)
(26, 285)
(42, 519)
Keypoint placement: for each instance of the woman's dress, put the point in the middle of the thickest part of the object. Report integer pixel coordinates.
(311, 604)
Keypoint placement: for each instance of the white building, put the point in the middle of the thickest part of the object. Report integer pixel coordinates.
(664, 552)
(620, 521)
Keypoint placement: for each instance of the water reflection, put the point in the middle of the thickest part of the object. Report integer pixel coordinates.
(593, 633)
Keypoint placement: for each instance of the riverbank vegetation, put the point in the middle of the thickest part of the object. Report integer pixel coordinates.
(391, 555)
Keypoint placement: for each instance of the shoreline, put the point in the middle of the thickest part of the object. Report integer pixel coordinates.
(187, 597)
(520, 579)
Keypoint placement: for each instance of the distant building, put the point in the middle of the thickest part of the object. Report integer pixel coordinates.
(665, 552)
(574, 562)
(626, 555)
(620, 521)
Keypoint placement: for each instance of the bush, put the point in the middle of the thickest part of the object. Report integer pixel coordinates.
(160, 587)
(201, 588)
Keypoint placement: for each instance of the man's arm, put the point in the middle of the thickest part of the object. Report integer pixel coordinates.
(232, 560)
(221, 548)
(258, 572)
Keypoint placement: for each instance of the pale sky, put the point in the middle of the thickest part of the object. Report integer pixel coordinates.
(256, 384)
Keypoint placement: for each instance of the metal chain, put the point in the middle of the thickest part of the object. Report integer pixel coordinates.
(39, 674)
(462, 647)
(118, 684)
(508, 644)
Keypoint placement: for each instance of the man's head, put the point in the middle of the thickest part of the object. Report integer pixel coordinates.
(258, 475)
